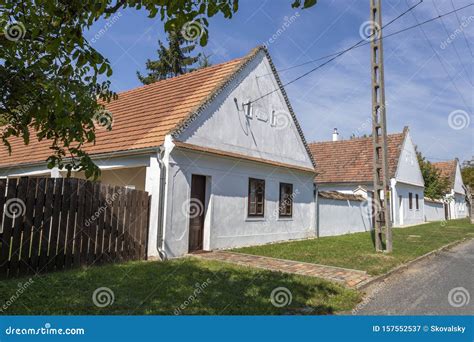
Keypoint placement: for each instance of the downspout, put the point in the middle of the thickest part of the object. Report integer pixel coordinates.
(316, 209)
(163, 162)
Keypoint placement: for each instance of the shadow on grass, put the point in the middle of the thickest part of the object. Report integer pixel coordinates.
(185, 287)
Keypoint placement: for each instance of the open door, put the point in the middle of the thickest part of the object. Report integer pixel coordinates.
(196, 213)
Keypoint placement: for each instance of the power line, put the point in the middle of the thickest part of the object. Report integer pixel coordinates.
(454, 46)
(362, 40)
(357, 45)
(439, 57)
(462, 31)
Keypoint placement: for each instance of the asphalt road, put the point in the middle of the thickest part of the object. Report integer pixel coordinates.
(424, 289)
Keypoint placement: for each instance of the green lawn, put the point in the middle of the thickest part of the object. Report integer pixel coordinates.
(184, 286)
(357, 250)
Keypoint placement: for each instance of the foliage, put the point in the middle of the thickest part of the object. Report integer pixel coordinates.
(172, 60)
(468, 176)
(436, 186)
(49, 72)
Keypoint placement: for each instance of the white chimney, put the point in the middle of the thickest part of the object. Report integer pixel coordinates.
(335, 135)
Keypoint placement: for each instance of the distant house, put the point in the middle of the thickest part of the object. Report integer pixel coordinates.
(455, 199)
(222, 173)
(346, 166)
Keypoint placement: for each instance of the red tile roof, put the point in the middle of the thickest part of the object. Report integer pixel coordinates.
(447, 169)
(143, 116)
(351, 161)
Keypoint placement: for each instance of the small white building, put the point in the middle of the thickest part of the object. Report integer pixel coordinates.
(222, 172)
(455, 199)
(346, 166)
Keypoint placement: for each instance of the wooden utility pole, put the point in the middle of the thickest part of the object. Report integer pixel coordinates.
(379, 133)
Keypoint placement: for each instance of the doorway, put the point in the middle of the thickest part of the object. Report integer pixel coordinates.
(400, 210)
(197, 213)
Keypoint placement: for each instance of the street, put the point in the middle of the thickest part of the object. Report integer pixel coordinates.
(440, 285)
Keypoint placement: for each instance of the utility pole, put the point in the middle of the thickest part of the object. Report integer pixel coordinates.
(379, 133)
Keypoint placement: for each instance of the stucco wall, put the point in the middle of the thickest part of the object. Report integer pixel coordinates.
(434, 211)
(132, 177)
(407, 216)
(226, 221)
(458, 206)
(337, 217)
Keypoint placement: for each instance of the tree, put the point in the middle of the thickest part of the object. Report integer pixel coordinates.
(49, 72)
(436, 186)
(468, 176)
(172, 60)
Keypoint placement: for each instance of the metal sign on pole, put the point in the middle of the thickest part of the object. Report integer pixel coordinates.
(381, 196)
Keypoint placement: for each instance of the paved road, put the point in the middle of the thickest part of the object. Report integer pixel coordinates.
(424, 288)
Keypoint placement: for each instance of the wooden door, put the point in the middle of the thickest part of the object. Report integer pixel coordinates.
(196, 213)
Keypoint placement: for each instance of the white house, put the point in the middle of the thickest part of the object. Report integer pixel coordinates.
(455, 199)
(346, 166)
(222, 172)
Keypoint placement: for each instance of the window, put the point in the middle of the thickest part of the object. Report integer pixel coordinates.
(286, 200)
(417, 204)
(410, 201)
(256, 202)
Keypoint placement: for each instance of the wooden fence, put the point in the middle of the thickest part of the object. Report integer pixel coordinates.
(49, 224)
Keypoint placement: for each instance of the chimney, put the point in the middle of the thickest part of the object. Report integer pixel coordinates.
(335, 135)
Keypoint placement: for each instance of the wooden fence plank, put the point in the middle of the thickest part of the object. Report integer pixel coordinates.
(18, 204)
(71, 233)
(115, 223)
(127, 239)
(95, 212)
(86, 233)
(121, 224)
(108, 224)
(28, 226)
(37, 224)
(7, 228)
(65, 204)
(100, 223)
(46, 228)
(3, 187)
(54, 236)
(79, 230)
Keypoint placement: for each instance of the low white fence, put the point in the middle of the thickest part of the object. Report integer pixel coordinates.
(434, 210)
(340, 214)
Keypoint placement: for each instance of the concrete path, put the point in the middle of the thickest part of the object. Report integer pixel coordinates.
(348, 277)
(439, 285)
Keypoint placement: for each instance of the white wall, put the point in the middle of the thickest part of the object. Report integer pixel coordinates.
(408, 169)
(458, 206)
(227, 224)
(434, 211)
(458, 182)
(409, 216)
(337, 217)
(222, 126)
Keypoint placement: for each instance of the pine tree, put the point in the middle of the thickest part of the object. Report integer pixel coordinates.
(172, 61)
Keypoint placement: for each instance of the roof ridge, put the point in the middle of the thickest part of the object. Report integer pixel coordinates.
(351, 139)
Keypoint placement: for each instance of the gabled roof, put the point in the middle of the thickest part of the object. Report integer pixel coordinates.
(142, 117)
(447, 169)
(351, 161)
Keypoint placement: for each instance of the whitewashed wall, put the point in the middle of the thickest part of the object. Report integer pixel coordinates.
(406, 216)
(337, 217)
(434, 211)
(458, 206)
(226, 222)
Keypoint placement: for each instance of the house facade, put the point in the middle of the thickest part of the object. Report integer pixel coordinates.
(346, 166)
(455, 199)
(222, 171)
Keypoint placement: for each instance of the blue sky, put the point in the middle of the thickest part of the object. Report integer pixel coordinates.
(430, 92)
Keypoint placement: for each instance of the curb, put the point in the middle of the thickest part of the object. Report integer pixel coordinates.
(405, 266)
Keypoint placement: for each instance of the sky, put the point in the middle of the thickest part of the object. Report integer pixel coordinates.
(428, 70)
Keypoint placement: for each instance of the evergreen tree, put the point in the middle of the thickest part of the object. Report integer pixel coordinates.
(172, 61)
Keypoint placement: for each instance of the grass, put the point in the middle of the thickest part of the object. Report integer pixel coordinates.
(184, 286)
(357, 250)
